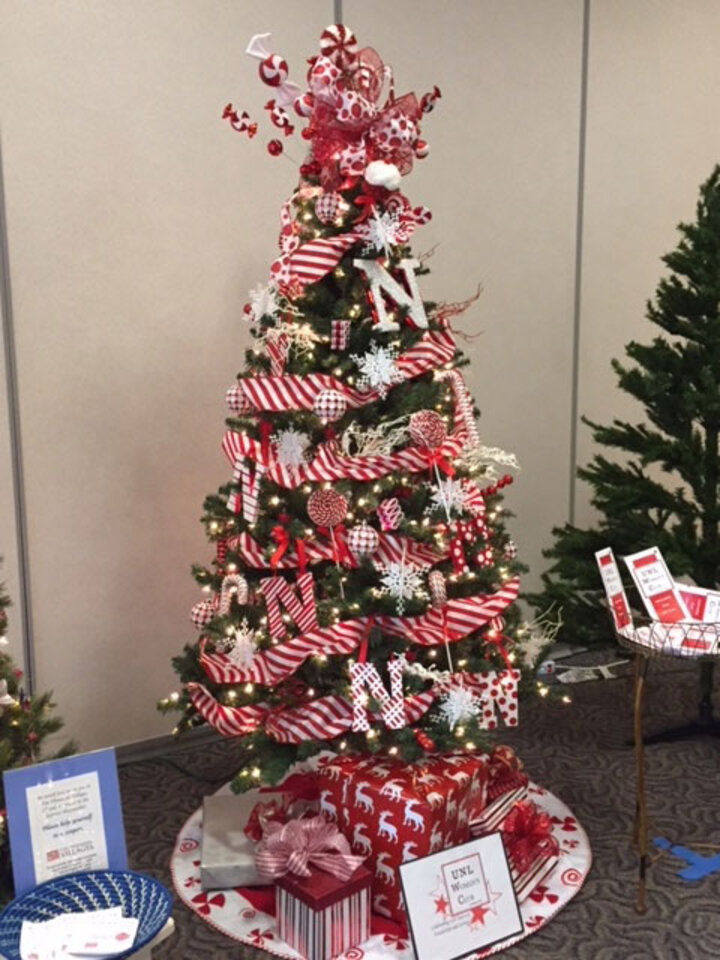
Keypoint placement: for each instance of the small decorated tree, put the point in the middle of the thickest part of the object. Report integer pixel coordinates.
(658, 482)
(362, 594)
(25, 722)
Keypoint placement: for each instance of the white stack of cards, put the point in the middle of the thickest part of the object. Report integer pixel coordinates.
(98, 934)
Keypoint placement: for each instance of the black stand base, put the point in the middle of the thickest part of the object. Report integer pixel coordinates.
(705, 726)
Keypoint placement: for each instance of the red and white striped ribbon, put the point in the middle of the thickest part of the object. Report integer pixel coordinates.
(321, 719)
(455, 620)
(278, 394)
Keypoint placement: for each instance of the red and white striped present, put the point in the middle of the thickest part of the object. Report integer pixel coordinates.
(321, 916)
(496, 811)
(538, 871)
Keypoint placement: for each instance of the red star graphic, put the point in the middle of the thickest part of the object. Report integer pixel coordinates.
(478, 915)
(441, 905)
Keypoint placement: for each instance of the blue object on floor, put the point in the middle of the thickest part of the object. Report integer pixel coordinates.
(698, 866)
(139, 896)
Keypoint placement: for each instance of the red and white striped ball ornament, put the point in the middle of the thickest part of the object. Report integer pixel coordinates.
(327, 206)
(338, 43)
(427, 429)
(273, 70)
(438, 589)
(363, 541)
(304, 104)
(327, 508)
(330, 405)
(390, 513)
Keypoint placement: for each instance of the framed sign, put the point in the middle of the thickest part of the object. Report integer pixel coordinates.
(460, 900)
(64, 816)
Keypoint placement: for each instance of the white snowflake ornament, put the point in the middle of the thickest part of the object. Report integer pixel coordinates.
(264, 302)
(448, 495)
(241, 653)
(383, 232)
(458, 705)
(377, 369)
(291, 447)
(403, 581)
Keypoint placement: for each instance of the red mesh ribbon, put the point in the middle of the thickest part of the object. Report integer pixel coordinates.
(296, 846)
(262, 814)
(282, 539)
(436, 459)
(527, 834)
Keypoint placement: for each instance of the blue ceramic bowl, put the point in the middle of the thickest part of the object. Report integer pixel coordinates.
(139, 896)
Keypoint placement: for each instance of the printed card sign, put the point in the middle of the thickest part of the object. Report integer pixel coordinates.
(64, 816)
(656, 587)
(614, 589)
(703, 605)
(460, 900)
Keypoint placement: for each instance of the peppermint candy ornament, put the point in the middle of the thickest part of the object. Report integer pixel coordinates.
(327, 508)
(438, 589)
(363, 541)
(427, 429)
(273, 70)
(330, 405)
(390, 513)
(303, 105)
(327, 206)
(338, 44)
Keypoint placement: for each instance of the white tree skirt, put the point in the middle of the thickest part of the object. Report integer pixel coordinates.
(240, 913)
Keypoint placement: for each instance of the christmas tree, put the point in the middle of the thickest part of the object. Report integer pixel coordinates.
(25, 722)
(361, 596)
(659, 486)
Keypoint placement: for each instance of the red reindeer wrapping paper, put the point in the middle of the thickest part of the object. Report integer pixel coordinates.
(392, 812)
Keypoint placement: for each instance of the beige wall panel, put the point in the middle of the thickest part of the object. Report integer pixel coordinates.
(8, 534)
(138, 223)
(653, 137)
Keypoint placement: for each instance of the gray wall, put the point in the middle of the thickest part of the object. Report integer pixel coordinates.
(138, 222)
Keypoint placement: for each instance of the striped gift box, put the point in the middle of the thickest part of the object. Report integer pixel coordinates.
(494, 813)
(322, 917)
(539, 870)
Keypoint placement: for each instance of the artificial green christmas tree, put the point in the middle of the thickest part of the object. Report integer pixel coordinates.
(658, 483)
(362, 537)
(25, 722)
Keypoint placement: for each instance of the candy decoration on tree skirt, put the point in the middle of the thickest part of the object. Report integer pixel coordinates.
(327, 206)
(363, 541)
(327, 508)
(390, 513)
(330, 405)
(427, 429)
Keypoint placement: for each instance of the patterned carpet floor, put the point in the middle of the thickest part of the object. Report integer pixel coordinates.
(578, 752)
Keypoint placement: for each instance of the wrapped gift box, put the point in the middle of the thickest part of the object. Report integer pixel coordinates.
(320, 916)
(491, 818)
(538, 871)
(227, 857)
(392, 812)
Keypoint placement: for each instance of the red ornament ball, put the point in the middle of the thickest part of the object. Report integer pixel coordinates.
(327, 508)
(330, 405)
(274, 148)
(424, 740)
(363, 541)
(427, 429)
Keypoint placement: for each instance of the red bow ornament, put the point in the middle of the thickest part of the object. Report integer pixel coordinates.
(296, 846)
(527, 834)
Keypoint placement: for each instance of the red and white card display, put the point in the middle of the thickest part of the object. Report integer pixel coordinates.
(703, 605)
(658, 590)
(614, 589)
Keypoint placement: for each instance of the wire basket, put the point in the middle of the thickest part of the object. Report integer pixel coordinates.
(139, 896)
(686, 639)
